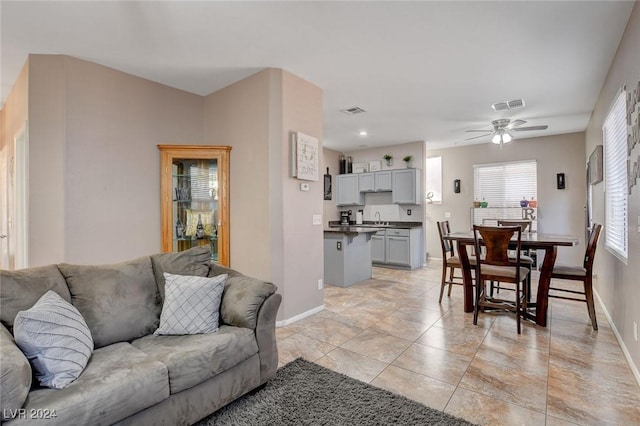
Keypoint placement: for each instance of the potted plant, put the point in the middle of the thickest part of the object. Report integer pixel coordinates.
(407, 160)
(389, 159)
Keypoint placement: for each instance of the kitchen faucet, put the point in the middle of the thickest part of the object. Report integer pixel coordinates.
(378, 216)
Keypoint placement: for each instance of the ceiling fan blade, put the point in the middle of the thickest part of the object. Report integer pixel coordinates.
(485, 131)
(476, 137)
(519, 129)
(515, 123)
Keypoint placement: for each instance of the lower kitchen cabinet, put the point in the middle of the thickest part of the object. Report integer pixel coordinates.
(378, 247)
(398, 248)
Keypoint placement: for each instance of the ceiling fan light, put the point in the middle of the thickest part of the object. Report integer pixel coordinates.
(506, 138)
(495, 138)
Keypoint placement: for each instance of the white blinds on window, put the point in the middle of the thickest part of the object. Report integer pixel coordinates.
(615, 176)
(505, 184)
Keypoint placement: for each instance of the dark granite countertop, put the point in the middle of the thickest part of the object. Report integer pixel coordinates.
(371, 224)
(353, 229)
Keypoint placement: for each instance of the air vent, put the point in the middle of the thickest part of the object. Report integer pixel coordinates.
(353, 110)
(501, 106)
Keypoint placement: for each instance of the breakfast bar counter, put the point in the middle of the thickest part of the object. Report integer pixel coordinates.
(347, 254)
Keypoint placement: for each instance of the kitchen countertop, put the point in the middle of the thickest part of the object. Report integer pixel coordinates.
(352, 229)
(335, 224)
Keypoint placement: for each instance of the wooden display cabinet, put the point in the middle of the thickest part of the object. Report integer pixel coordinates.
(194, 190)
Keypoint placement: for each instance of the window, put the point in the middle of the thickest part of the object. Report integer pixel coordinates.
(433, 180)
(503, 186)
(614, 133)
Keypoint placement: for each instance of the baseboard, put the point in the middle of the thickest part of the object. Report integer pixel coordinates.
(298, 317)
(627, 355)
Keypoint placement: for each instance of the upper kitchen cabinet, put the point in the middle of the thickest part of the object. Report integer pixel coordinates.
(375, 181)
(348, 190)
(194, 190)
(406, 186)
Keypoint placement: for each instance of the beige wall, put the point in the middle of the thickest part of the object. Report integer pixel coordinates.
(331, 159)
(617, 283)
(559, 211)
(14, 116)
(94, 162)
(271, 219)
(238, 116)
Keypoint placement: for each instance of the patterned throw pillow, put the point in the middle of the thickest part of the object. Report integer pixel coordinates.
(191, 304)
(55, 338)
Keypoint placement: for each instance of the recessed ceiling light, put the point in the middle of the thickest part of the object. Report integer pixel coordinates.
(363, 133)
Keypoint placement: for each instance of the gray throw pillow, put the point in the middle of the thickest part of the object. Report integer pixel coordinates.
(194, 261)
(55, 338)
(119, 302)
(191, 304)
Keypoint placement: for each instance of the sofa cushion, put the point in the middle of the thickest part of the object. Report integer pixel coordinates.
(191, 304)
(194, 261)
(119, 381)
(55, 339)
(192, 359)
(15, 375)
(21, 289)
(119, 302)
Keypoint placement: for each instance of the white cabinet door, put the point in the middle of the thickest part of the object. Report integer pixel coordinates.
(348, 191)
(377, 249)
(398, 251)
(383, 181)
(366, 182)
(406, 186)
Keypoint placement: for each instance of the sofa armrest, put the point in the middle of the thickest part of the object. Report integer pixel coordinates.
(266, 337)
(242, 297)
(15, 375)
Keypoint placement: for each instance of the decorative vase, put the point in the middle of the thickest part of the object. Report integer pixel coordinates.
(533, 203)
(524, 203)
(484, 204)
(389, 162)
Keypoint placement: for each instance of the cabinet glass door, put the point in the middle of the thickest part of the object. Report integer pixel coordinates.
(195, 204)
(195, 188)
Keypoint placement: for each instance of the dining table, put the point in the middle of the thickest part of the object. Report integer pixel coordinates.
(529, 240)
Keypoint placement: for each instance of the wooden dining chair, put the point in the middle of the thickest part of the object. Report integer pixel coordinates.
(496, 265)
(582, 273)
(525, 259)
(450, 262)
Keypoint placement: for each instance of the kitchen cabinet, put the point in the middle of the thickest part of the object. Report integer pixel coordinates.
(398, 248)
(194, 198)
(348, 190)
(406, 186)
(375, 181)
(378, 247)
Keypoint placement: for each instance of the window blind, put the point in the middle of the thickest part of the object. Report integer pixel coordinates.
(615, 176)
(503, 186)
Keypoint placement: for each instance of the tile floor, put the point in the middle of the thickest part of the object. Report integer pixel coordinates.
(391, 331)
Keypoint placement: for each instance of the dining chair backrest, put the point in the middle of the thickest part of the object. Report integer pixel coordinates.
(447, 246)
(496, 240)
(590, 252)
(525, 225)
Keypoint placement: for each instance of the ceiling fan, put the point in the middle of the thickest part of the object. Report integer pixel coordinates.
(502, 129)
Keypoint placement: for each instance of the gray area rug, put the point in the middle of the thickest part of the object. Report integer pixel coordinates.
(304, 393)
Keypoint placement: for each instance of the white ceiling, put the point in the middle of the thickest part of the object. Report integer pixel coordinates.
(422, 70)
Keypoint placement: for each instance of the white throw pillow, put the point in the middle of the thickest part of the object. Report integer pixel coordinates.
(55, 338)
(191, 304)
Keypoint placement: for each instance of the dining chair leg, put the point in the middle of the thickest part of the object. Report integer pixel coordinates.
(588, 292)
(443, 281)
(476, 308)
(451, 269)
(518, 310)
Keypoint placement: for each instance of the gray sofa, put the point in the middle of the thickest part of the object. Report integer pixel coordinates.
(135, 377)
